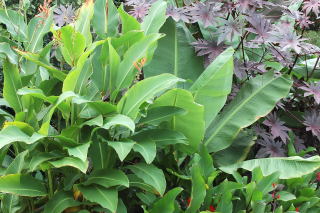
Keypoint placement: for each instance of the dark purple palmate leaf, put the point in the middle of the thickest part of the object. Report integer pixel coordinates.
(260, 26)
(178, 14)
(229, 29)
(277, 127)
(312, 123)
(139, 11)
(261, 132)
(299, 144)
(249, 5)
(209, 49)
(242, 69)
(302, 19)
(270, 148)
(311, 5)
(204, 12)
(312, 89)
(63, 15)
(285, 58)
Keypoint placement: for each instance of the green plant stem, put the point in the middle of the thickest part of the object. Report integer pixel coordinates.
(50, 183)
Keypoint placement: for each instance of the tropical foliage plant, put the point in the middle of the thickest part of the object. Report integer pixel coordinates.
(109, 109)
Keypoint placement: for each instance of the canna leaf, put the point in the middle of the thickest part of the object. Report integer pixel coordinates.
(155, 18)
(59, 202)
(107, 178)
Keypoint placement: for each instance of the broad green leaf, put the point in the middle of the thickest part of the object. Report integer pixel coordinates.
(265, 184)
(181, 123)
(286, 196)
(114, 61)
(14, 134)
(22, 185)
(214, 84)
(150, 175)
(155, 18)
(74, 79)
(40, 158)
(102, 155)
(120, 120)
(206, 162)
(107, 198)
(167, 203)
(174, 54)
(147, 148)
(59, 202)
(71, 161)
(15, 24)
(80, 151)
(73, 44)
(107, 178)
(58, 74)
(17, 164)
(255, 100)
(128, 23)
(162, 137)
(105, 18)
(37, 28)
(198, 192)
(82, 24)
(10, 203)
(146, 197)
(122, 148)
(238, 150)
(159, 114)
(143, 91)
(44, 130)
(291, 167)
(139, 183)
(125, 41)
(8, 52)
(135, 53)
(12, 82)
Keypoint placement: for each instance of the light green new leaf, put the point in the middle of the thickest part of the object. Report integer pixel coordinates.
(12, 134)
(174, 54)
(128, 23)
(38, 27)
(12, 82)
(114, 62)
(155, 18)
(214, 84)
(58, 74)
(59, 202)
(107, 198)
(122, 148)
(255, 100)
(182, 123)
(73, 44)
(120, 120)
(150, 175)
(167, 203)
(8, 52)
(22, 185)
(82, 24)
(143, 91)
(198, 192)
(147, 148)
(108, 178)
(80, 151)
(105, 18)
(71, 161)
(159, 114)
(291, 167)
(135, 53)
(75, 79)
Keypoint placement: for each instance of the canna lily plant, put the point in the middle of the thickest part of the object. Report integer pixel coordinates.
(116, 127)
